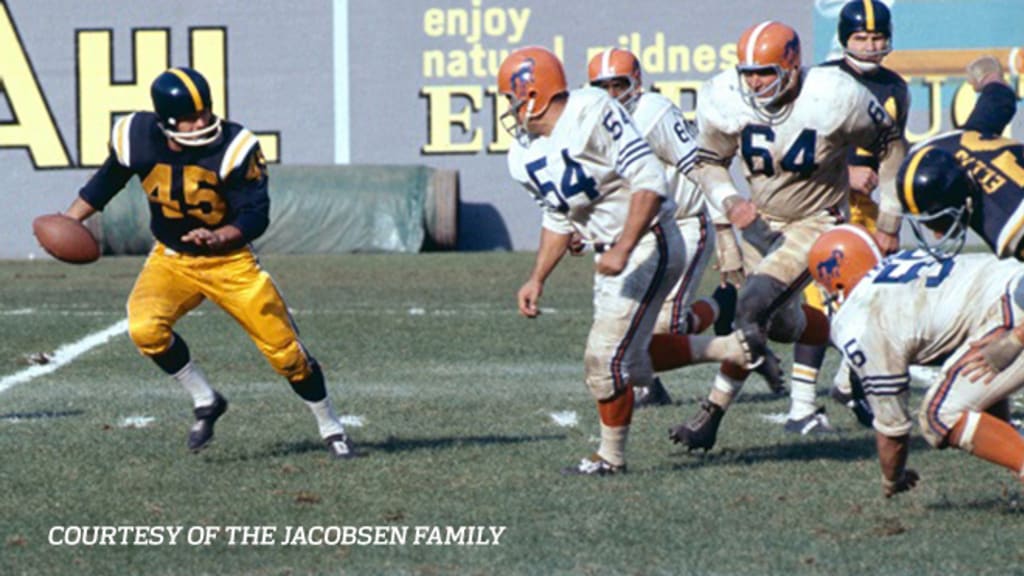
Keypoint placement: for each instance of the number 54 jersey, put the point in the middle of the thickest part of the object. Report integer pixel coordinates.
(210, 186)
(913, 309)
(795, 164)
(584, 173)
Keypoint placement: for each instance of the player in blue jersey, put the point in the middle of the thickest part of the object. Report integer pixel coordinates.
(969, 178)
(206, 182)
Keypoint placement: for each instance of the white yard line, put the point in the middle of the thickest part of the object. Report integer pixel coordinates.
(63, 355)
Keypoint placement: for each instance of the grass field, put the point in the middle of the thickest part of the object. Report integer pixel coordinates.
(450, 395)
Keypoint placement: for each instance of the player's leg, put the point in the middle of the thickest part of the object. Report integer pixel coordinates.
(681, 313)
(164, 292)
(768, 307)
(626, 307)
(955, 413)
(247, 293)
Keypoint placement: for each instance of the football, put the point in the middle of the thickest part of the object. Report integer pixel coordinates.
(66, 239)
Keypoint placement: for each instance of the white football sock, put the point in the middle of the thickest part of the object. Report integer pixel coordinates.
(724, 390)
(191, 377)
(803, 384)
(326, 420)
(613, 444)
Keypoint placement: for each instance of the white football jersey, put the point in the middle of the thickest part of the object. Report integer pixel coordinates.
(795, 165)
(913, 309)
(674, 141)
(584, 173)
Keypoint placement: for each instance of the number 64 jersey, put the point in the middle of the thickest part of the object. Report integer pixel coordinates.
(913, 309)
(584, 173)
(795, 163)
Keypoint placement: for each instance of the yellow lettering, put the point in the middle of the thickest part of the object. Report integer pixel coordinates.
(704, 58)
(676, 90)
(934, 85)
(433, 64)
(727, 54)
(100, 97)
(441, 118)
(433, 22)
(502, 139)
(679, 58)
(34, 127)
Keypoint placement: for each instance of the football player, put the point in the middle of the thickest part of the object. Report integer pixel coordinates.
(206, 181)
(865, 33)
(910, 308)
(673, 140)
(579, 155)
(792, 128)
(969, 178)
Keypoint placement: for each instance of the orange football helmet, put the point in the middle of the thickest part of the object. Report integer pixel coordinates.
(612, 64)
(768, 47)
(530, 77)
(840, 257)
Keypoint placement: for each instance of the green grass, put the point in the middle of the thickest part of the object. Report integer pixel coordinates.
(455, 392)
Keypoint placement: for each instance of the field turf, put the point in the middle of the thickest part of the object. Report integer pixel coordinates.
(461, 409)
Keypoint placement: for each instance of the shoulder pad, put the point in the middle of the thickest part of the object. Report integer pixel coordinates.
(236, 152)
(120, 140)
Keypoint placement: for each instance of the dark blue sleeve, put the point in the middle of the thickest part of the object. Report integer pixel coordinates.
(994, 109)
(247, 194)
(105, 183)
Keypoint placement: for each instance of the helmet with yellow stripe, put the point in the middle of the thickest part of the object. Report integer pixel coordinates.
(182, 96)
(865, 16)
(935, 191)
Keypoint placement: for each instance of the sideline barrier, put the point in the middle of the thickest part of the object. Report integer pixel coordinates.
(323, 209)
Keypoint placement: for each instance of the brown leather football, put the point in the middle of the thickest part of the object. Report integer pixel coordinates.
(66, 239)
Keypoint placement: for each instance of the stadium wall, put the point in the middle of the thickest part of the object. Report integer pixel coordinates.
(368, 83)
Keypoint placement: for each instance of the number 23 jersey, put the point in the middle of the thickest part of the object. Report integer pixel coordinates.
(584, 173)
(209, 186)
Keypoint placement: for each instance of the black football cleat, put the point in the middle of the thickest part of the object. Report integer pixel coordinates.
(593, 465)
(725, 296)
(701, 430)
(815, 424)
(340, 446)
(201, 433)
(649, 396)
(761, 359)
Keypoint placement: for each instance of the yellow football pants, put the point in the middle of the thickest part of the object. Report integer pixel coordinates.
(172, 284)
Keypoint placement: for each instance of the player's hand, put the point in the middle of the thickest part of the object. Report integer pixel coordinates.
(984, 70)
(887, 243)
(990, 356)
(576, 245)
(907, 480)
(863, 179)
(528, 297)
(204, 237)
(741, 213)
(613, 261)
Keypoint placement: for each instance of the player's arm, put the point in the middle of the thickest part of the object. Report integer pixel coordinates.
(997, 102)
(995, 352)
(883, 372)
(636, 162)
(553, 245)
(246, 192)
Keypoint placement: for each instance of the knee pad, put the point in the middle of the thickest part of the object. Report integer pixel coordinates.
(151, 336)
(758, 300)
(787, 323)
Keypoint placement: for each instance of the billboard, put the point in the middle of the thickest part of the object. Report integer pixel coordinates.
(412, 82)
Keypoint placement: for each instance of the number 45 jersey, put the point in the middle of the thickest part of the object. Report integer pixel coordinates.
(914, 309)
(584, 173)
(209, 186)
(795, 164)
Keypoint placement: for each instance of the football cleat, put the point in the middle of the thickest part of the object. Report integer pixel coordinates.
(761, 359)
(812, 424)
(340, 446)
(859, 406)
(725, 296)
(700, 431)
(593, 465)
(653, 395)
(201, 433)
